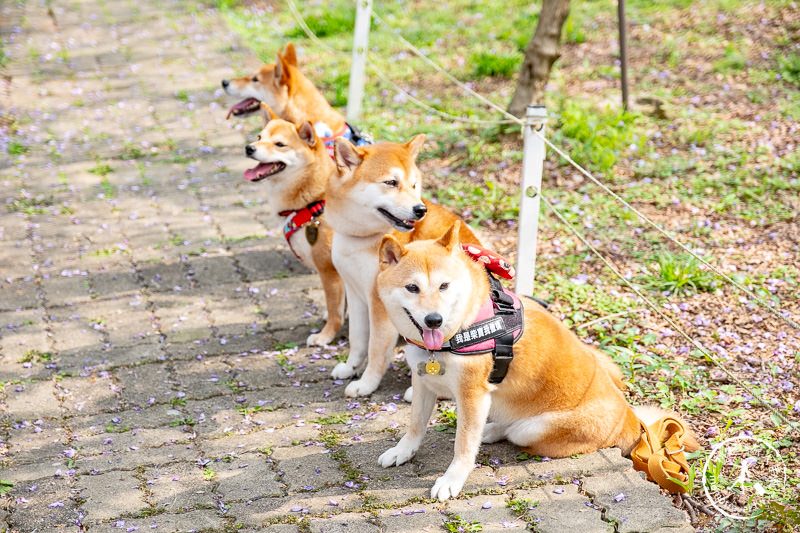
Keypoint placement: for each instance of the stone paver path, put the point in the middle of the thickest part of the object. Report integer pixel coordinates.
(149, 308)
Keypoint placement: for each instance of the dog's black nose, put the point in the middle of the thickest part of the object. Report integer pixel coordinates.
(419, 211)
(433, 320)
(225, 84)
(249, 150)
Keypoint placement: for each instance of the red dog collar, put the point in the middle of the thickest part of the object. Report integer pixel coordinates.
(299, 218)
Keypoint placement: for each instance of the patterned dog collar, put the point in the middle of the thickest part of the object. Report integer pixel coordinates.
(296, 219)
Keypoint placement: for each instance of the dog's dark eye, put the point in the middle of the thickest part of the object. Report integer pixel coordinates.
(444, 286)
(255, 78)
(279, 144)
(391, 183)
(412, 288)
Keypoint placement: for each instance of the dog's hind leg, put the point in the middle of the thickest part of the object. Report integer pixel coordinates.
(333, 286)
(494, 432)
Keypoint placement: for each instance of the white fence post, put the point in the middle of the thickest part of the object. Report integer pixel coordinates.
(532, 166)
(355, 91)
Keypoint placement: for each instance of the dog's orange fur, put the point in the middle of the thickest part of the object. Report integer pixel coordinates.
(560, 396)
(292, 96)
(357, 187)
(294, 188)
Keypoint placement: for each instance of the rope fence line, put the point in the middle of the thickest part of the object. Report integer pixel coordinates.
(707, 355)
(386, 79)
(666, 234)
(513, 119)
(419, 53)
(586, 173)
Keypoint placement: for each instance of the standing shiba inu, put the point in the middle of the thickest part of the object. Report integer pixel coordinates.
(559, 396)
(291, 96)
(295, 166)
(375, 190)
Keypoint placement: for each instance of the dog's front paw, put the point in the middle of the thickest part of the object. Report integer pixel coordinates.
(360, 387)
(343, 371)
(396, 456)
(408, 394)
(319, 339)
(448, 486)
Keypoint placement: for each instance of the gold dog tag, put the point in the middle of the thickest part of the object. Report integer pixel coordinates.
(432, 367)
(312, 233)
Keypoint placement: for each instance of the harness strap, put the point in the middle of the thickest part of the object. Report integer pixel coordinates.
(659, 453)
(299, 218)
(503, 351)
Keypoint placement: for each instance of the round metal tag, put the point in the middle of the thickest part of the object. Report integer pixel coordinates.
(432, 367)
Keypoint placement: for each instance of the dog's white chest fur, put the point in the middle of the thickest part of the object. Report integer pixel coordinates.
(356, 261)
(302, 249)
(446, 382)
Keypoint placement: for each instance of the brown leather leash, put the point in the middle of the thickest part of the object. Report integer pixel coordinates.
(660, 453)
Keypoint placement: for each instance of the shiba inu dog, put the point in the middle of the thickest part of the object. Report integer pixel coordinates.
(559, 396)
(291, 96)
(295, 167)
(375, 190)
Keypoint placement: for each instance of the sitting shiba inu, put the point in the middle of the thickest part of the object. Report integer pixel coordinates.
(552, 395)
(375, 190)
(291, 96)
(295, 167)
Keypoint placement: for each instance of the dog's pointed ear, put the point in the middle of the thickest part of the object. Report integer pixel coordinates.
(450, 239)
(281, 71)
(415, 145)
(290, 55)
(345, 154)
(390, 251)
(267, 113)
(307, 134)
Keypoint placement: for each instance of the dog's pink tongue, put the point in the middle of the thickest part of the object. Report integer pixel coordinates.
(251, 174)
(433, 338)
(244, 104)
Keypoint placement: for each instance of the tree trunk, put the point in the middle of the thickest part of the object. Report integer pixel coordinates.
(540, 54)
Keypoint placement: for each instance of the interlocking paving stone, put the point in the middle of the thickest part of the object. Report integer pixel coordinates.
(634, 511)
(110, 495)
(557, 508)
(178, 486)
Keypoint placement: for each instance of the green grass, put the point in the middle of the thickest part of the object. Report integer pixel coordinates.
(456, 524)
(679, 273)
(101, 169)
(327, 23)
(489, 64)
(733, 59)
(789, 67)
(35, 356)
(597, 137)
